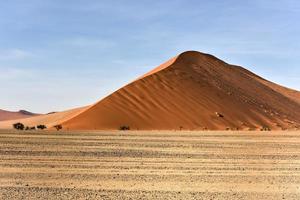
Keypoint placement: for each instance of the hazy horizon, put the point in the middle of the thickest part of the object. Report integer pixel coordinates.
(57, 55)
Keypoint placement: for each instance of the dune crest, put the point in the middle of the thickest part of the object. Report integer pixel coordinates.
(193, 91)
(9, 115)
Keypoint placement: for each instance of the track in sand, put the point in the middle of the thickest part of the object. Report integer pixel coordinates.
(149, 165)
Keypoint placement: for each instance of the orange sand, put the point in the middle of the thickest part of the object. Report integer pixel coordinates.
(8, 115)
(186, 93)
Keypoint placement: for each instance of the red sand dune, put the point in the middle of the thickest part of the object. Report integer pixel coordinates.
(8, 115)
(192, 91)
(49, 120)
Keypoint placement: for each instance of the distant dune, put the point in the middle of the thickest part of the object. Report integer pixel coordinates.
(8, 115)
(50, 119)
(193, 91)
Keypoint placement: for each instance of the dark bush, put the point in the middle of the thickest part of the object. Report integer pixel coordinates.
(124, 128)
(265, 128)
(18, 126)
(41, 126)
(30, 128)
(58, 127)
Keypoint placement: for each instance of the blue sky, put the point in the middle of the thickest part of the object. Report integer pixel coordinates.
(60, 54)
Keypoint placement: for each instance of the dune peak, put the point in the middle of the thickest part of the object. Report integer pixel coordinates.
(185, 93)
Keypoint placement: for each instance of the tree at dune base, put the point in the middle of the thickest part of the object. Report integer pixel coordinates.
(41, 126)
(58, 127)
(265, 128)
(18, 126)
(124, 128)
(29, 128)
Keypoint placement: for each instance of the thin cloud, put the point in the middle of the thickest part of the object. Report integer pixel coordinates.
(89, 42)
(12, 73)
(14, 54)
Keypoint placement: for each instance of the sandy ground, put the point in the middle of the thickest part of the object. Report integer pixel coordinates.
(149, 165)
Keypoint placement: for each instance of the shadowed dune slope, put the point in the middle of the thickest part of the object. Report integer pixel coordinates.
(8, 115)
(192, 91)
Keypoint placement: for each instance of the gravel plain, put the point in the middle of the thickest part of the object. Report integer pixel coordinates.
(149, 165)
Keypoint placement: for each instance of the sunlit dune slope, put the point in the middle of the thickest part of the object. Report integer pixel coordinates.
(192, 91)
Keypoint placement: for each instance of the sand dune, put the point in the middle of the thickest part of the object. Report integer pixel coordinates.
(49, 120)
(8, 115)
(192, 91)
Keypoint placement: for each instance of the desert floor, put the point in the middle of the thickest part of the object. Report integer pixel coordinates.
(149, 165)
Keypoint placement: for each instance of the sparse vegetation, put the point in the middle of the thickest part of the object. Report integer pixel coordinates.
(265, 128)
(41, 126)
(124, 128)
(18, 126)
(30, 128)
(58, 127)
